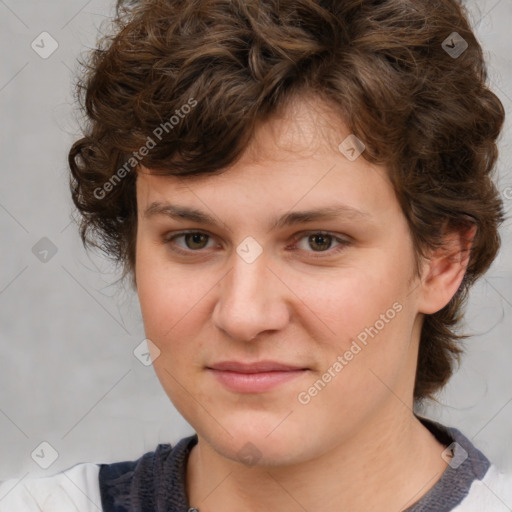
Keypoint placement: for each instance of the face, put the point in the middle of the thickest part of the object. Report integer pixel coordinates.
(330, 298)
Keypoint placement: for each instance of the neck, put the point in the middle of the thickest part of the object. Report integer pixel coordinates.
(388, 465)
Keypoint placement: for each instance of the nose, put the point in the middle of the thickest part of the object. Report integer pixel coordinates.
(251, 300)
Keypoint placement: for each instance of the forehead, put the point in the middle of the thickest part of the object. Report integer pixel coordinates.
(304, 126)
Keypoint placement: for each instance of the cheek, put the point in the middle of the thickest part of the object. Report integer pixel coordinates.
(370, 322)
(361, 299)
(172, 312)
(166, 292)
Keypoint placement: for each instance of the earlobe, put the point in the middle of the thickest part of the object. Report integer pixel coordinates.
(445, 269)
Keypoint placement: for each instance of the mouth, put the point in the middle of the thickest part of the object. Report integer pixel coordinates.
(255, 377)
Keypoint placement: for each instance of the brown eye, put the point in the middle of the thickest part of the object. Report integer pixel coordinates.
(195, 240)
(321, 241)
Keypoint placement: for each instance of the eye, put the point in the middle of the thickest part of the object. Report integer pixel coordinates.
(320, 242)
(194, 241)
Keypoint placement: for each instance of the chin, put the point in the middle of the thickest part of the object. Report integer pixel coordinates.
(260, 443)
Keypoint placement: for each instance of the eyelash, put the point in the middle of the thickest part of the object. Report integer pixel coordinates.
(318, 254)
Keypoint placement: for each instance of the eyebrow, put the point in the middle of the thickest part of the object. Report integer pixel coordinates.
(288, 219)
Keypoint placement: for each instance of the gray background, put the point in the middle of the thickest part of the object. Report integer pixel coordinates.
(68, 375)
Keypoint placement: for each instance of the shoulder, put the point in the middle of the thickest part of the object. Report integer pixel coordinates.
(486, 488)
(75, 489)
(125, 485)
(139, 485)
(470, 482)
(492, 492)
(155, 481)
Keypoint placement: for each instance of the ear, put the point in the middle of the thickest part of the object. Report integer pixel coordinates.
(445, 268)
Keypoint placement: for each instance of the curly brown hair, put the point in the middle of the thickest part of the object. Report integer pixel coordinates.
(384, 65)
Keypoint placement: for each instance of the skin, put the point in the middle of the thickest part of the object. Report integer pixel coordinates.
(356, 445)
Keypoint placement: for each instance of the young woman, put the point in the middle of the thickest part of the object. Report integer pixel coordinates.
(301, 194)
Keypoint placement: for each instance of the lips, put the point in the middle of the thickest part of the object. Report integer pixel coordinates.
(255, 377)
(257, 367)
